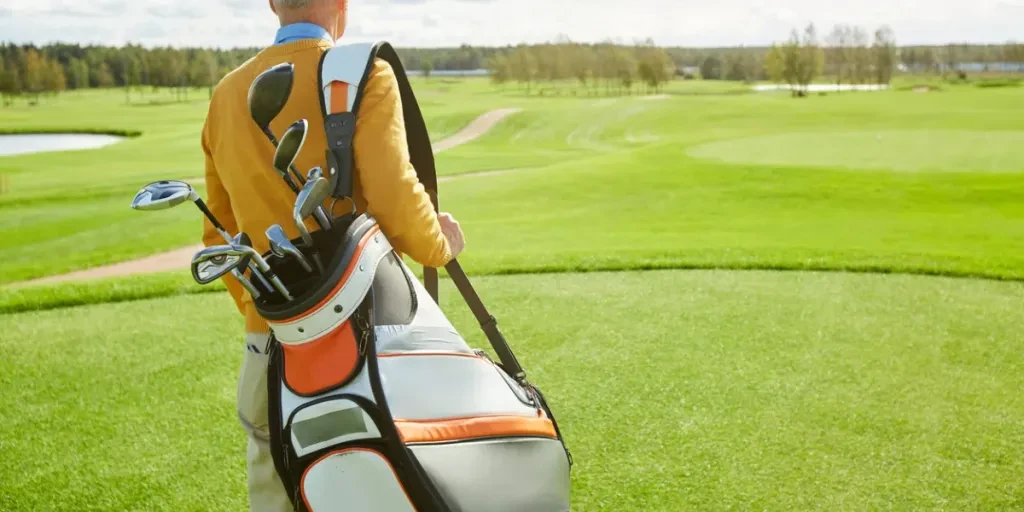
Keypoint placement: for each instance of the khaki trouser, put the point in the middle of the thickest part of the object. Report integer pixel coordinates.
(266, 493)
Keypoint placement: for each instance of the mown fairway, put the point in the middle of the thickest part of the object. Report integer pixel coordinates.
(609, 183)
(728, 387)
(677, 390)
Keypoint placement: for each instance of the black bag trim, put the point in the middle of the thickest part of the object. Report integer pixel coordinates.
(353, 235)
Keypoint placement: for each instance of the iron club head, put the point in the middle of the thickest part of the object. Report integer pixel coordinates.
(264, 267)
(282, 247)
(269, 93)
(315, 173)
(288, 149)
(311, 197)
(212, 263)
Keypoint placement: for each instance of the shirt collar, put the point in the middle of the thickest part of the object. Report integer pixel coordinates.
(297, 31)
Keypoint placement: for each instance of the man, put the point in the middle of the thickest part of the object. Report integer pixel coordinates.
(247, 195)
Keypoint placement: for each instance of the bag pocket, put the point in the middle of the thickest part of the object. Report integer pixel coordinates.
(328, 423)
(354, 480)
(511, 474)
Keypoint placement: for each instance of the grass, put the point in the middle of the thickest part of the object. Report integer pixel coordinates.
(650, 202)
(703, 390)
(707, 389)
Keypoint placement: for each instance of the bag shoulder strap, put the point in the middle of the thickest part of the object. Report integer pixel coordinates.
(344, 71)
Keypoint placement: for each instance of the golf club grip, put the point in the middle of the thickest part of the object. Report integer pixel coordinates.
(487, 322)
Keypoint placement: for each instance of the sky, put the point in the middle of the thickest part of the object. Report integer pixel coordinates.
(432, 23)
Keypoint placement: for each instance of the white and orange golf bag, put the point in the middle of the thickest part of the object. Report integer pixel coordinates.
(377, 404)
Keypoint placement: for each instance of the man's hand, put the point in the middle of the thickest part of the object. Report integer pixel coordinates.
(453, 232)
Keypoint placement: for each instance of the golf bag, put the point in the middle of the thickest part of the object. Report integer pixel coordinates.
(376, 401)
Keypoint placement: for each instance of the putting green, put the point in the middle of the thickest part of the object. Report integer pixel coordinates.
(902, 150)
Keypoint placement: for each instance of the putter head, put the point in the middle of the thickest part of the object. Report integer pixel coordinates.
(212, 263)
(162, 195)
(290, 145)
(269, 93)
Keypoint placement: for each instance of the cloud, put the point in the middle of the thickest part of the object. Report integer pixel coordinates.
(235, 23)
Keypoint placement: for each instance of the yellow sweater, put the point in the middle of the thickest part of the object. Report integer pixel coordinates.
(247, 195)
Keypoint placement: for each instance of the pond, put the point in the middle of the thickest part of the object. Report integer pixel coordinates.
(21, 144)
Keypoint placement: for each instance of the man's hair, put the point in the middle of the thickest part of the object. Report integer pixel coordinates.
(293, 4)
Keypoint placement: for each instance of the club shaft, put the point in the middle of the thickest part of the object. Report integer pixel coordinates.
(296, 184)
(227, 238)
(263, 265)
(246, 283)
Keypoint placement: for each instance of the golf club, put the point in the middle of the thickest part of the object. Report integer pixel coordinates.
(282, 247)
(315, 173)
(210, 265)
(310, 197)
(244, 250)
(284, 158)
(268, 95)
(163, 195)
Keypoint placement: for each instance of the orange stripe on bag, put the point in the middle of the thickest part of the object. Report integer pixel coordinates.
(339, 97)
(473, 428)
(323, 363)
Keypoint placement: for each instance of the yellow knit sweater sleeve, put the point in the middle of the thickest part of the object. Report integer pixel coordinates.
(389, 183)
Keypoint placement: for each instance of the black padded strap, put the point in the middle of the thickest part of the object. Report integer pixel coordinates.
(421, 153)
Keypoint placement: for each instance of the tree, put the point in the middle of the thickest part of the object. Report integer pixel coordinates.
(54, 79)
(499, 67)
(428, 67)
(10, 80)
(711, 68)
(811, 58)
(3, 77)
(34, 73)
(838, 54)
(861, 53)
(774, 64)
(884, 48)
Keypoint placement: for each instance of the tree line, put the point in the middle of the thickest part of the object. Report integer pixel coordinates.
(583, 68)
(847, 55)
(34, 72)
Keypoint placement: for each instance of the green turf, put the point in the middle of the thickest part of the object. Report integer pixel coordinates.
(647, 201)
(918, 150)
(705, 390)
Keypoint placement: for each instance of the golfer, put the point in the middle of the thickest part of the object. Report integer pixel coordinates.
(247, 195)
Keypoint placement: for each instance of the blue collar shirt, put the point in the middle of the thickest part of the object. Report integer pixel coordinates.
(299, 31)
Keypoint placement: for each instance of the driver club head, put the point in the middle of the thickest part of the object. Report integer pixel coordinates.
(290, 145)
(269, 93)
(215, 262)
(162, 195)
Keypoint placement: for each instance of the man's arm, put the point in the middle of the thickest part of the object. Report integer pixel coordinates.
(393, 193)
(220, 206)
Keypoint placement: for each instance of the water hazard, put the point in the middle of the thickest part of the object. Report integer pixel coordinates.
(22, 144)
